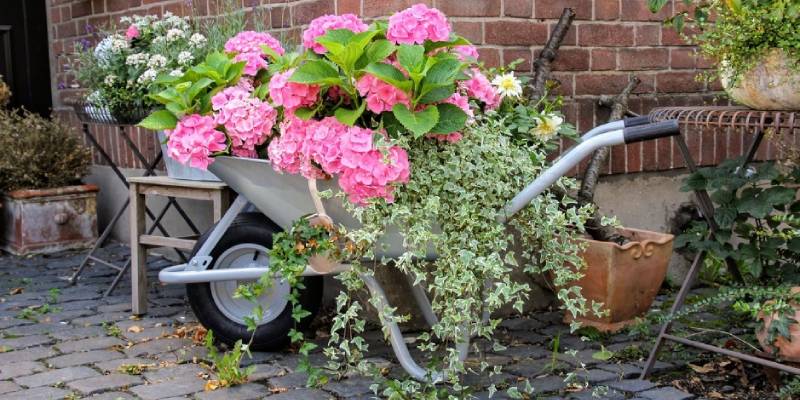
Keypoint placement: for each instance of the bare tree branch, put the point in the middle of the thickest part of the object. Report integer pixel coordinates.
(542, 65)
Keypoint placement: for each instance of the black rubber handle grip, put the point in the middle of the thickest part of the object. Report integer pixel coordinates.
(636, 121)
(652, 131)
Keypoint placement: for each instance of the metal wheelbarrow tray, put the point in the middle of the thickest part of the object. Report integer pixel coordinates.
(237, 247)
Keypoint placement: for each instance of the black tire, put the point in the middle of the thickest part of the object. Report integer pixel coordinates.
(257, 229)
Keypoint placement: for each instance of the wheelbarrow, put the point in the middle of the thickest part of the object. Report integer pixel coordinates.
(237, 247)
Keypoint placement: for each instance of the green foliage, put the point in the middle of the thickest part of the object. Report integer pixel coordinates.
(52, 295)
(112, 329)
(227, 365)
(35, 311)
(741, 31)
(39, 153)
(758, 217)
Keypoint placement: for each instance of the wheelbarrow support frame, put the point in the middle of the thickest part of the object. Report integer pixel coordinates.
(614, 133)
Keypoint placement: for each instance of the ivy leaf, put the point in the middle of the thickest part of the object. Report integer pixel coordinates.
(159, 121)
(656, 5)
(349, 117)
(420, 122)
(451, 119)
(316, 72)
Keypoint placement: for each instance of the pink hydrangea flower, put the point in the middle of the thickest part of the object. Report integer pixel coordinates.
(324, 144)
(247, 120)
(376, 175)
(251, 41)
(247, 47)
(380, 95)
(194, 140)
(479, 87)
(466, 52)
(325, 23)
(287, 152)
(132, 32)
(291, 95)
(417, 24)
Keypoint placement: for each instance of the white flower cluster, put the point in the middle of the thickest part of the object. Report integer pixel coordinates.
(110, 79)
(197, 40)
(175, 34)
(108, 47)
(137, 59)
(148, 76)
(185, 58)
(157, 61)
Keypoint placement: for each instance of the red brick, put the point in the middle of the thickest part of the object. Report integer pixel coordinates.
(489, 56)
(565, 83)
(669, 37)
(524, 33)
(664, 154)
(703, 62)
(678, 82)
(640, 59)
(510, 55)
(610, 35)
(348, 6)
(597, 84)
(585, 114)
(66, 29)
(471, 30)
(303, 13)
(648, 160)
(378, 8)
(637, 10)
(81, 8)
(647, 83)
(572, 60)
(55, 16)
(469, 8)
(617, 158)
(633, 162)
(604, 59)
(606, 9)
(280, 17)
(518, 8)
(121, 5)
(682, 58)
(648, 35)
(570, 39)
(553, 9)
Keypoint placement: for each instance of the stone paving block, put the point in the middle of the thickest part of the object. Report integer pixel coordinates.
(30, 354)
(86, 357)
(115, 307)
(289, 381)
(113, 365)
(522, 324)
(89, 344)
(266, 371)
(22, 368)
(632, 385)
(100, 319)
(182, 371)
(305, 394)
(104, 382)
(250, 391)
(25, 342)
(583, 357)
(171, 388)
(79, 333)
(547, 384)
(595, 376)
(624, 371)
(10, 322)
(350, 387)
(589, 394)
(666, 393)
(55, 376)
(111, 396)
(41, 328)
(526, 352)
(40, 393)
(158, 346)
(8, 386)
(147, 334)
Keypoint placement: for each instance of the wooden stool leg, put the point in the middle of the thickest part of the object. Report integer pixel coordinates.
(138, 252)
(221, 201)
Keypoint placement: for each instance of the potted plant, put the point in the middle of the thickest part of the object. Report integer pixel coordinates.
(755, 45)
(45, 207)
(122, 67)
(414, 138)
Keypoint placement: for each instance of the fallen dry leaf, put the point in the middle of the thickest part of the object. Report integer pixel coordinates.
(715, 395)
(135, 329)
(211, 384)
(701, 370)
(16, 290)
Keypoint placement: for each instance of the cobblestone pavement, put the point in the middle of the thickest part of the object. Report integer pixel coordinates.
(73, 343)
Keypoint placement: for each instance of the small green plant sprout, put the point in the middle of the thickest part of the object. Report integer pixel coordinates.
(227, 365)
(52, 295)
(33, 312)
(134, 369)
(112, 329)
(604, 354)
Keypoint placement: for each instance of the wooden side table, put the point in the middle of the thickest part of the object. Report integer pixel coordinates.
(140, 187)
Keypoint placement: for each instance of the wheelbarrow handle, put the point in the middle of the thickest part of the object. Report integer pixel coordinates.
(636, 121)
(651, 131)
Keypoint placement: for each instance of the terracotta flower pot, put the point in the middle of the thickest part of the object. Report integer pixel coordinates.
(771, 84)
(788, 348)
(625, 278)
(48, 220)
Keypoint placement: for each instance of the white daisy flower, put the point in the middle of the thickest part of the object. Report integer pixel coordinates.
(508, 85)
(547, 126)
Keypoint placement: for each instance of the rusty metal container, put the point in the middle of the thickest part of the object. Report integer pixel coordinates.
(48, 220)
(625, 278)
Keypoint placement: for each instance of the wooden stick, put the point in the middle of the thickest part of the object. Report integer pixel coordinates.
(542, 64)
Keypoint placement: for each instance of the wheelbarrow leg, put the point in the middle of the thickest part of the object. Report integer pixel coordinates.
(399, 345)
(418, 291)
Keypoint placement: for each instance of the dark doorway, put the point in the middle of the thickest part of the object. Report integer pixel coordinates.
(24, 56)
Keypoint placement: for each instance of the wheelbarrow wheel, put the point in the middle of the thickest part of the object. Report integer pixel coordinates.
(247, 243)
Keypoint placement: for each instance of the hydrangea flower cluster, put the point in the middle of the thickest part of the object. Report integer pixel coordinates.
(194, 140)
(417, 24)
(248, 121)
(325, 23)
(247, 47)
(380, 95)
(479, 87)
(365, 172)
(291, 95)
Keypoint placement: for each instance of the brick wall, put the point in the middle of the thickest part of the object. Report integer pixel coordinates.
(609, 40)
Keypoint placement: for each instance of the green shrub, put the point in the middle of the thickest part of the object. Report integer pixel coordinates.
(39, 153)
